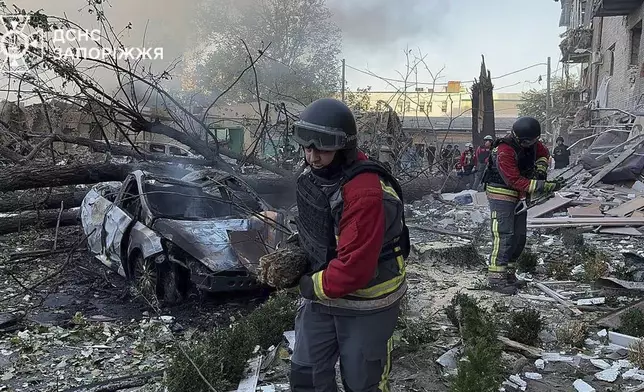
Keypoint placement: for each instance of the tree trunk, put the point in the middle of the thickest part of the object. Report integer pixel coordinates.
(41, 199)
(42, 219)
(13, 178)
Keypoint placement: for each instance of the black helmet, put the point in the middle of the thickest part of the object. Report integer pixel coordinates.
(328, 125)
(526, 128)
(560, 139)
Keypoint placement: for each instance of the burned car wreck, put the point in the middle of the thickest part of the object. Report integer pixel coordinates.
(167, 236)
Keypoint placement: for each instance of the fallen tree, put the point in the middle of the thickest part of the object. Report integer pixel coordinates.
(41, 219)
(42, 199)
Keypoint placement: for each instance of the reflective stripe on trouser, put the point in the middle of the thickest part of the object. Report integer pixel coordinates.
(362, 342)
(508, 234)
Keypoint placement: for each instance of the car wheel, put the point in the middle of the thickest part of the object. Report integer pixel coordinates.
(146, 278)
(170, 283)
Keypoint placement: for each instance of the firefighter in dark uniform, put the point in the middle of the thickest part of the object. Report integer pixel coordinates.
(351, 226)
(517, 168)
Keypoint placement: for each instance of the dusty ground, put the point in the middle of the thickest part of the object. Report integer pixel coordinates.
(82, 325)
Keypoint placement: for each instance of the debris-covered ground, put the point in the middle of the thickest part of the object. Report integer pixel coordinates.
(67, 321)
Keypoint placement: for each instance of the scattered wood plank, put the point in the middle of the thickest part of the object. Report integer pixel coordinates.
(536, 298)
(613, 165)
(117, 384)
(613, 320)
(567, 304)
(621, 230)
(528, 351)
(441, 231)
(591, 211)
(579, 222)
(627, 207)
(549, 206)
(249, 383)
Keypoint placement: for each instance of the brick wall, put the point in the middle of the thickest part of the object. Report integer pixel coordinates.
(626, 85)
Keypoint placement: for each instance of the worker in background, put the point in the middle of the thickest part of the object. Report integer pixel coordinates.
(351, 225)
(480, 157)
(431, 155)
(517, 168)
(446, 159)
(456, 157)
(466, 164)
(561, 154)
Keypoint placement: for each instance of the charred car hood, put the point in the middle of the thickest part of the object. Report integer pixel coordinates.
(206, 241)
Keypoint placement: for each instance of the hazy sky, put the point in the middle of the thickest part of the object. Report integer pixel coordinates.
(512, 34)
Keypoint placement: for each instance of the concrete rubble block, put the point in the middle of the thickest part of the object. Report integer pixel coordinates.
(540, 364)
(452, 253)
(516, 379)
(610, 374)
(448, 360)
(582, 386)
(633, 374)
(591, 301)
(533, 376)
(600, 363)
(556, 357)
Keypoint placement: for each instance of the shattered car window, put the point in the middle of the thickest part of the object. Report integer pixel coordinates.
(174, 201)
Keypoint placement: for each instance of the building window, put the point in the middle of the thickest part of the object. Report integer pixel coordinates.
(429, 107)
(421, 106)
(582, 15)
(444, 106)
(611, 59)
(636, 39)
(407, 107)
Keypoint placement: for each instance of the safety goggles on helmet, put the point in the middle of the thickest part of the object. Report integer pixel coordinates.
(528, 142)
(322, 138)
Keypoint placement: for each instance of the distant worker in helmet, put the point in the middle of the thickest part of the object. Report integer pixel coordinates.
(467, 159)
(561, 154)
(351, 226)
(517, 169)
(480, 157)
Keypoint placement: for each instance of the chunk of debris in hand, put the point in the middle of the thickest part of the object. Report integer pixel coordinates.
(282, 268)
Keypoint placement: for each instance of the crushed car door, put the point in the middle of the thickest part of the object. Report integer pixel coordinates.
(118, 220)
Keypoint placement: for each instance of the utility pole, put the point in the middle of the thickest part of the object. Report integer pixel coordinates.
(343, 81)
(548, 100)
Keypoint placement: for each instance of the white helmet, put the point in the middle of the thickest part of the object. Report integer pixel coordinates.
(488, 137)
(469, 145)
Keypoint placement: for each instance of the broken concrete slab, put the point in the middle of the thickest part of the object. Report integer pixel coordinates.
(600, 363)
(614, 282)
(249, 382)
(449, 360)
(591, 301)
(610, 374)
(532, 376)
(516, 379)
(582, 386)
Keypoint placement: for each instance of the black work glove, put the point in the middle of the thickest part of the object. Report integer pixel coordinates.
(307, 289)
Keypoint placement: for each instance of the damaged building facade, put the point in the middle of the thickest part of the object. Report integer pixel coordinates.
(604, 38)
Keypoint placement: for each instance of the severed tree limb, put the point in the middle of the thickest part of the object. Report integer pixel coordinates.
(49, 218)
(10, 154)
(116, 384)
(37, 200)
(528, 351)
